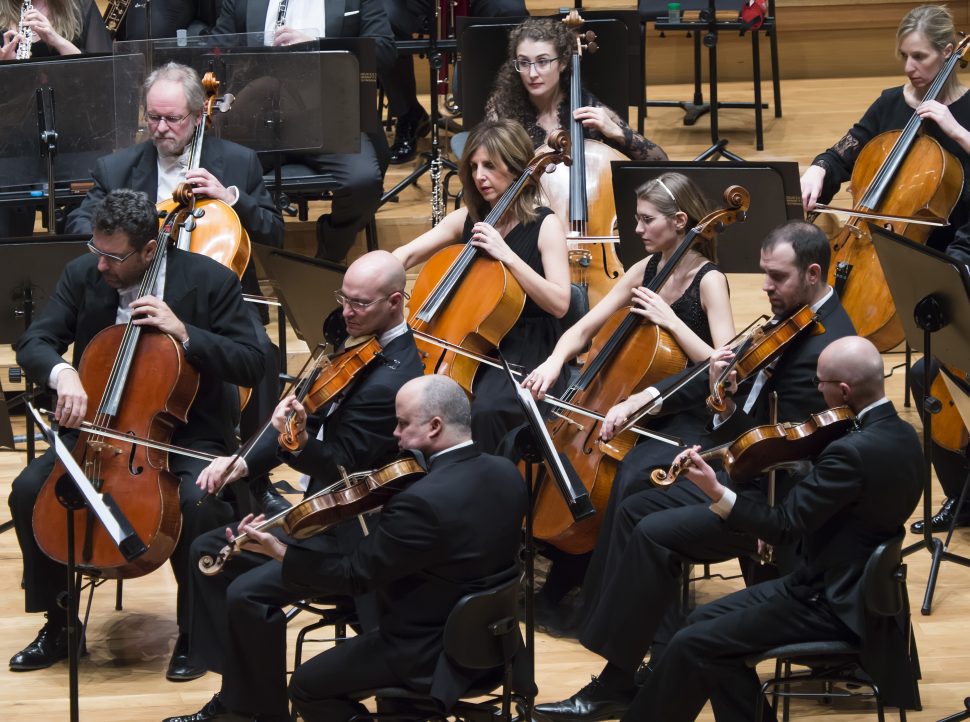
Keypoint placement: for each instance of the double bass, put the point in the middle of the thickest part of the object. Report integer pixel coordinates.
(145, 387)
(627, 355)
(468, 299)
(909, 177)
(582, 194)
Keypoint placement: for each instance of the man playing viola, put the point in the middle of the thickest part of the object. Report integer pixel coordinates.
(199, 303)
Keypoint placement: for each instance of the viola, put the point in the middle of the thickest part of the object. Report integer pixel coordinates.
(213, 228)
(762, 347)
(898, 173)
(582, 193)
(353, 495)
(145, 387)
(325, 380)
(467, 298)
(764, 447)
(626, 356)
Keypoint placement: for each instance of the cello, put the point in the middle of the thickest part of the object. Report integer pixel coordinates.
(466, 298)
(145, 386)
(582, 194)
(213, 228)
(626, 356)
(898, 173)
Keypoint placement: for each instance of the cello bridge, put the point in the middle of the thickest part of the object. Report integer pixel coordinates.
(101, 447)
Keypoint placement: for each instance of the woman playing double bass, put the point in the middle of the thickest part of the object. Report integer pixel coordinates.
(924, 40)
(529, 240)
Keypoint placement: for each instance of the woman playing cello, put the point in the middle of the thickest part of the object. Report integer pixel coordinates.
(529, 240)
(924, 40)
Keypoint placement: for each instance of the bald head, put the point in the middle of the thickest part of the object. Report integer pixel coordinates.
(433, 414)
(852, 369)
(374, 289)
(380, 271)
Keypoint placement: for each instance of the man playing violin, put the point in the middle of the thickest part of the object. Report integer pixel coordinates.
(857, 496)
(241, 609)
(199, 303)
(648, 533)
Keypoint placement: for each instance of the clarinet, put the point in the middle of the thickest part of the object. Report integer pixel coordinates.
(26, 34)
(281, 14)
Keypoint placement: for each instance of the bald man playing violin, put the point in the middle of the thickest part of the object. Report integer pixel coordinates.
(241, 609)
(860, 491)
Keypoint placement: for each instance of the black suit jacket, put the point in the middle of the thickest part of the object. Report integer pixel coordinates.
(344, 18)
(359, 432)
(455, 531)
(861, 490)
(206, 297)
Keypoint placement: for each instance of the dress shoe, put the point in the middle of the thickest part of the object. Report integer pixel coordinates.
(180, 668)
(212, 711)
(269, 501)
(409, 129)
(592, 702)
(941, 520)
(48, 647)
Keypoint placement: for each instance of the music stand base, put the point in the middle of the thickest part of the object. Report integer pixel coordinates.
(965, 714)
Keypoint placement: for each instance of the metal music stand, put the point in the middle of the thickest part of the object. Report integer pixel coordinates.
(938, 291)
(534, 446)
(29, 270)
(775, 199)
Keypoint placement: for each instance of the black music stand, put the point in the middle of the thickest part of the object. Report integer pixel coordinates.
(29, 270)
(75, 492)
(775, 199)
(534, 446)
(938, 291)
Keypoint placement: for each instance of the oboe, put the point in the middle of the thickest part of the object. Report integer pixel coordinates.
(281, 14)
(26, 34)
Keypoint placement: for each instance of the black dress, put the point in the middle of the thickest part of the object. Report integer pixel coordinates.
(890, 111)
(688, 307)
(531, 340)
(94, 37)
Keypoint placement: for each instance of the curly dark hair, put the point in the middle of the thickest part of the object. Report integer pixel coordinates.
(509, 98)
(130, 212)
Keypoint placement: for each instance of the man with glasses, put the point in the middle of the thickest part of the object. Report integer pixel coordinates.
(238, 625)
(649, 534)
(196, 301)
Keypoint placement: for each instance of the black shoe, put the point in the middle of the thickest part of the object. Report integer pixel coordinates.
(180, 669)
(49, 647)
(941, 520)
(409, 128)
(592, 702)
(642, 674)
(269, 501)
(213, 710)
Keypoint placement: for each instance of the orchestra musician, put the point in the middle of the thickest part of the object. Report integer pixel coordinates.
(199, 302)
(925, 38)
(647, 533)
(529, 240)
(238, 624)
(694, 306)
(360, 175)
(860, 491)
(533, 88)
(452, 532)
(59, 27)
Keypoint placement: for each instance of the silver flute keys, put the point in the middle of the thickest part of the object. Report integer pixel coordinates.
(26, 34)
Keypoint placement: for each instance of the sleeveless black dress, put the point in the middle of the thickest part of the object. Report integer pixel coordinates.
(688, 307)
(495, 409)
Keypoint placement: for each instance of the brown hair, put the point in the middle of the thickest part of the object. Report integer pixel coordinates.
(935, 23)
(507, 141)
(673, 192)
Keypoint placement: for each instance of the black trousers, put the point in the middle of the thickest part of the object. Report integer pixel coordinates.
(951, 466)
(705, 660)
(654, 533)
(45, 579)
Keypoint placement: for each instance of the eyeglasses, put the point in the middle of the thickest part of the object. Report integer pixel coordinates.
(541, 65)
(110, 256)
(816, 380)
(355, 304)
(171, 120)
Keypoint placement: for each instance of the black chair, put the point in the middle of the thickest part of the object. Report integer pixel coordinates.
(482, 633)
(837, 662)
(336, 612)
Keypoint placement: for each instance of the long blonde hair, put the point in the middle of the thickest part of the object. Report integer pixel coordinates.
(65, 17)
(507, 141)
(935, 23)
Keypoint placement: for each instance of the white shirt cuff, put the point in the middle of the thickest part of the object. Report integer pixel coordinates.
(723, 506)
(52, 379)
(235, 195)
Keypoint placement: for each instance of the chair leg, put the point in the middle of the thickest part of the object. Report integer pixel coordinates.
(370, 233)
(118, 591)
(759, 131)
(786, 704)
(773, 44)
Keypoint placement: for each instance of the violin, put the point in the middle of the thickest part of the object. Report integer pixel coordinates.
(582, 193)
(327, 378)
(213, 228)
(353, 495)
(901, 173)
(626, 356)
(145, 387)
(765, 447)
(467, 298)
(760, 348)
